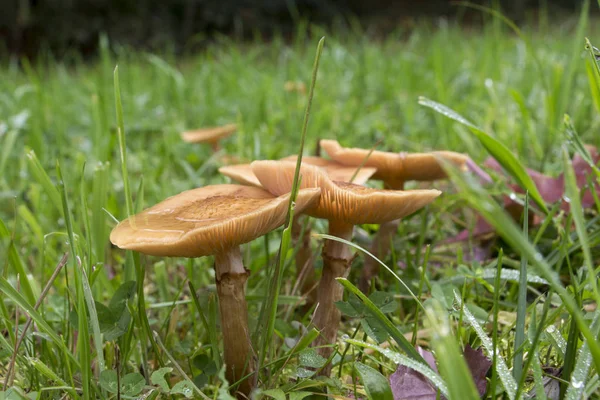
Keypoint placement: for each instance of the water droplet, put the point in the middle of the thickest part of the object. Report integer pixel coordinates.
(577, 384)
(566, 199)
(345, 337)
(551, 329)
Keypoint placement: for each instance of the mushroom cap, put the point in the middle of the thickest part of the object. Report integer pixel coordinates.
(396, 166)
(340, 201)
(241, 173)
(205, 221)
(337, 171)
(208, 135)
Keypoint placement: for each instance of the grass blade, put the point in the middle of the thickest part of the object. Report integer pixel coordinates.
(401, 359)
(270, 307)
(509, 383)
(573, 193)
(18, 265)
(385, 322)
(521, 304)
(83, 343)
(483, 203)
(451, 363)
(576, 389)
(497, 149)
(40, 175)
(15, 296)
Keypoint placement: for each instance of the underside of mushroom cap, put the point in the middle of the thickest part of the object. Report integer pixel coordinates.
(395, 166)
(208, 135)
(241, 173)
(207, 220)
(337, 171)
(352, 204)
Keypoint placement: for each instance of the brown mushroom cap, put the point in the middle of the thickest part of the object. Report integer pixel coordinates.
(395, 166)
(241, 173)
(337, 171)
(208, 135)
(352, 204)
(206, 221)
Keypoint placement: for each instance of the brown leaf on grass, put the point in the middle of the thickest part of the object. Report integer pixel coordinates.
(408, 384)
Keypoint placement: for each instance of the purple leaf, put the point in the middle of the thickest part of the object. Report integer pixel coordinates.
(408, 384)
(479, 366)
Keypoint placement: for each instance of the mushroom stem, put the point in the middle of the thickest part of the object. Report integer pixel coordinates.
(337, 258)
(231, 277)
(304, 258)
(380, 246)
(215, 145)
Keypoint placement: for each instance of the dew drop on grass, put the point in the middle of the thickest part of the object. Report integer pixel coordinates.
(577, 384)
(551, 329)
(345, 337)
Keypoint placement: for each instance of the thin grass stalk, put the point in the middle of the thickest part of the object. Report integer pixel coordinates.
(271, 305)
(521, 303)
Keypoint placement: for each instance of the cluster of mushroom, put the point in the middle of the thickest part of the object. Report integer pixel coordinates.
(216, 220)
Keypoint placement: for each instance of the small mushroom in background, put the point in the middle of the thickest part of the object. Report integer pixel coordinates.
(295, 86)
(394, 169)
(212, 135)
(215, 220)
(337, 172)
(343, 205)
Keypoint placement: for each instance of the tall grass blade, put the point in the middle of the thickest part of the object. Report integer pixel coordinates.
(521, 304)
(389, 327)
(451, 363)
(482, 202)
(574, 141)
(573, 195)
(270, 307)
(401, 359)
(509, 383)
(15, 260)
(10, 292)
(43, 179)
(497, 149)
(580, 374)
(7, 148)
(83, 342)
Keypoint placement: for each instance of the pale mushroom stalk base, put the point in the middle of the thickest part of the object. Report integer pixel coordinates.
(304, 258)
(337, 258)
(380, 247)
(231, 278)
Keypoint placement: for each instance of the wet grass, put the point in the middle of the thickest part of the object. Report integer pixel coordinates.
(104, 321)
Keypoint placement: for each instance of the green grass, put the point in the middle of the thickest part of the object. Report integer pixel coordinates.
(78, 152)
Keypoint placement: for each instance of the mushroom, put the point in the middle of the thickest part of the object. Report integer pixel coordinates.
(215, 220)
(343, 205)
(211, 135)
(394, 169)
(337, 172)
